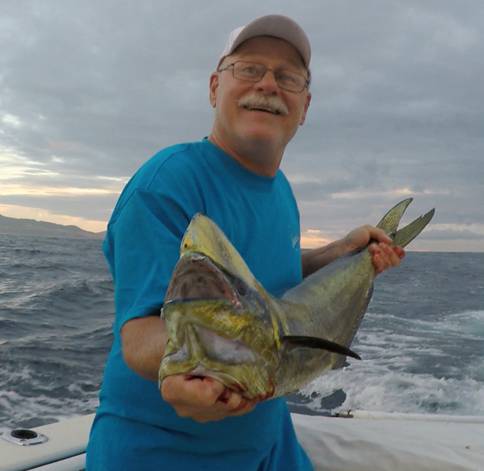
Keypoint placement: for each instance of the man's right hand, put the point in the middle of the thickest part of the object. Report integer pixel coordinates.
(203, 399)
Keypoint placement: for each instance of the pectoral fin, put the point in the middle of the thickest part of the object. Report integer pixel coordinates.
(316, 342)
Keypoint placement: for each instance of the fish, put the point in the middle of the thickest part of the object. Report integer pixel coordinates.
(222, 323)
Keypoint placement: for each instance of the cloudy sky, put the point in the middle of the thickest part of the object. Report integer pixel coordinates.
(91, 89)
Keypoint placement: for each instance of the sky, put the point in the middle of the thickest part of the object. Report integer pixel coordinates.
(90, 90)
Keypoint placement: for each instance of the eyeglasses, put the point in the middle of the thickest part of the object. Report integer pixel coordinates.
(254, 72)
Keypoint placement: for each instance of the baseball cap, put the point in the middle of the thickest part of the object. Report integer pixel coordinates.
(278, 26)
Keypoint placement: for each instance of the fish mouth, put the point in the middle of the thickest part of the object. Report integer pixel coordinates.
(197, 277)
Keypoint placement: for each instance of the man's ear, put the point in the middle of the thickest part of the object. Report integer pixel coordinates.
(213, 85)
(306, 107)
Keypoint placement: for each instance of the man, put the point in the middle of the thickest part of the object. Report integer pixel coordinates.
(260, 94)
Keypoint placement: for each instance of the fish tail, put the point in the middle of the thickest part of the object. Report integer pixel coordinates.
(402, 237)
(389, 222)
(406, 234)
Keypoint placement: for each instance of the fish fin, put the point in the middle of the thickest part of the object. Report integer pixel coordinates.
(389, 222)
(406, 234)
(203, 236)
(316, 342)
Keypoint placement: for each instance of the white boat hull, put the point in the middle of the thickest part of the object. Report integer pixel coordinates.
(366, 442)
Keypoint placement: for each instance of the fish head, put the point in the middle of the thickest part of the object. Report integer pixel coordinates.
(218, 317)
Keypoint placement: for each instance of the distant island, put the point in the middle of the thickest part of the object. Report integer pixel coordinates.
(32, 227)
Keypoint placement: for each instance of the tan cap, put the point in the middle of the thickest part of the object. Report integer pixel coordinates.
(278, 26)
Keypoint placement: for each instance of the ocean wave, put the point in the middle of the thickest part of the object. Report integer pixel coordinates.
(19, 410)
(382, 389)
(467, 324)
(55, 295)
(421, 340)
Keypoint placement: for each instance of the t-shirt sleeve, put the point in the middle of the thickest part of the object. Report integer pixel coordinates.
(142, 246)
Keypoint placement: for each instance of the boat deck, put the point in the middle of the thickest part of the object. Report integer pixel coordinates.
(364, 441)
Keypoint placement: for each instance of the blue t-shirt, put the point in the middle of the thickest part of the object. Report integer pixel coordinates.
(134, 427)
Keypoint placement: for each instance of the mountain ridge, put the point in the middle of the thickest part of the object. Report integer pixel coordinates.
(21, 226)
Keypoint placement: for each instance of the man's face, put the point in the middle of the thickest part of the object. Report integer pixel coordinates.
(237, 124)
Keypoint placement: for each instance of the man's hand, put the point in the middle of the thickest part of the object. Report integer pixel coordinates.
(383, 254)
(203, 399)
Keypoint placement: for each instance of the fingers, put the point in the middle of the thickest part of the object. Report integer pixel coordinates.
(181, 390)
(242, 411)
(378, 235)
(203, 390)
(385, 256)
(399, 251)
(203, 399)
(361, 236)
(236, 404)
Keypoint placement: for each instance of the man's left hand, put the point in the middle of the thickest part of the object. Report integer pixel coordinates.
(384, 255)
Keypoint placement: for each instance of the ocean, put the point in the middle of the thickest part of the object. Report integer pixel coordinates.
(422, 340)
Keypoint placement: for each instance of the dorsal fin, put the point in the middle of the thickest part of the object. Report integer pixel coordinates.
(205, 237)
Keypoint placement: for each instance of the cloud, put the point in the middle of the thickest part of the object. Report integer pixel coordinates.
(89, 207)
(454, 235)
(89, 94)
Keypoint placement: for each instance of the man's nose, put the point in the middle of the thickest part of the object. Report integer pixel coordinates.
(268, 83)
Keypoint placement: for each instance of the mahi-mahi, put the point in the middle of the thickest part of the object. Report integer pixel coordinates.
(222, 323)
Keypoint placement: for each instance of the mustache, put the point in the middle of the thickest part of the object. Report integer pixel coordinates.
(271, 103)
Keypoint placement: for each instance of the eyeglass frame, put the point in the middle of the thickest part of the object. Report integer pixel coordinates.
(307, 81)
